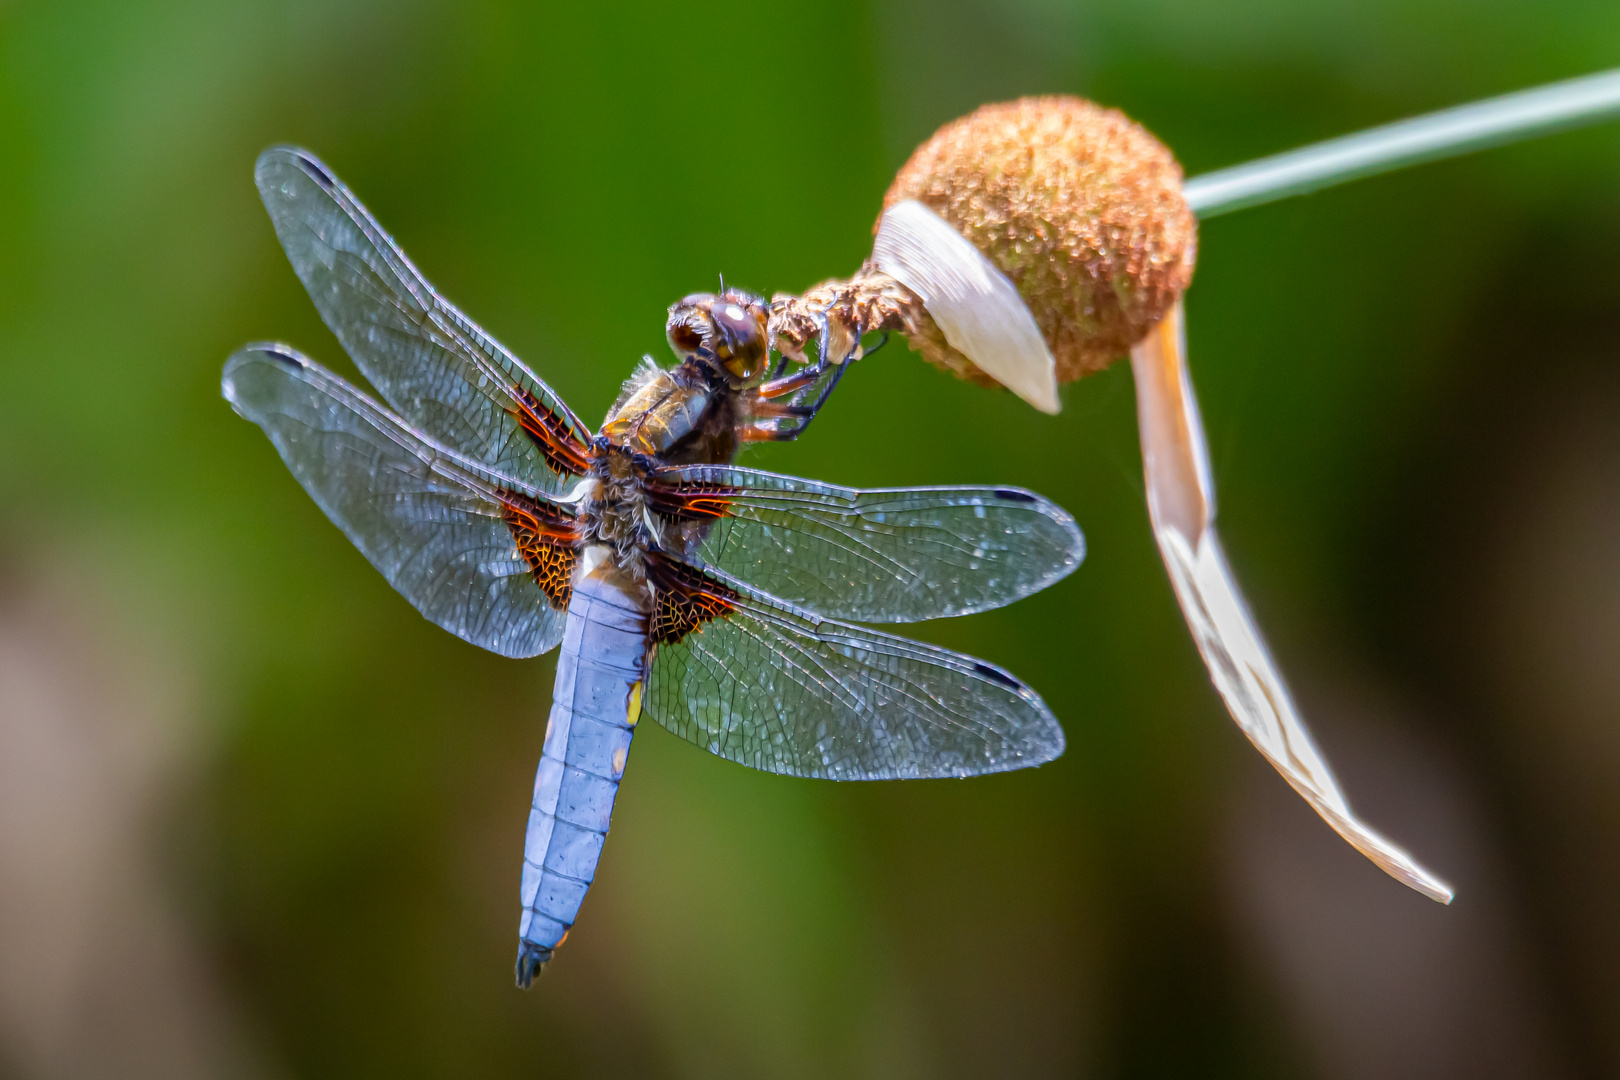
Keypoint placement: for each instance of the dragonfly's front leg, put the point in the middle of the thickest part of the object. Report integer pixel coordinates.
(780, 385)
(774, 420)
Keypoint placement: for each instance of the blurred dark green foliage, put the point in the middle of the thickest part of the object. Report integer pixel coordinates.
(349, 840)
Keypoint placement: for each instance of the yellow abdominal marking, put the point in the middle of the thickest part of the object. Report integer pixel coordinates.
(632, 713)
(632, 710)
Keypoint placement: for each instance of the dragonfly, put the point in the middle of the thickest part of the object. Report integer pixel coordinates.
(722, 601)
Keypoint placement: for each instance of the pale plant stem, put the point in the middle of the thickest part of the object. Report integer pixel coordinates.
(1447, 133)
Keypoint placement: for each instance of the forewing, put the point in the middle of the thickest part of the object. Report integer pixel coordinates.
(465, 546)
(441, 372)
(761, 683)
(884, 555)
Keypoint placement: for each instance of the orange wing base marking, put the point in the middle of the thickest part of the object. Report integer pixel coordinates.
(563, 453)
(691, 502)
(686, 598)
(545, 539)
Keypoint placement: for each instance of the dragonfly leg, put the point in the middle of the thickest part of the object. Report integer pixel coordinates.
(779, 387)
(780, 369)
(782, 421)
(766, 432)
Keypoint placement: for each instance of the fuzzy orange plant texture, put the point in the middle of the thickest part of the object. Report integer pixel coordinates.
(1078, 205)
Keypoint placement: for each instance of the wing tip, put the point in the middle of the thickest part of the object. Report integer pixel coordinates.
(283, 155)
(1057, 744)
(1050, 742)
(1058, 516)
(277, 351)
(1051, 745)
(284, 356)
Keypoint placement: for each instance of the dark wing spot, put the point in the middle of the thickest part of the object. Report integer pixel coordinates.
(995, 674)
(281, 353)
(1016, 495)
(316, 170)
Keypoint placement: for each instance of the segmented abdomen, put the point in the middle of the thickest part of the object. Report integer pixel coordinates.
(594, 709)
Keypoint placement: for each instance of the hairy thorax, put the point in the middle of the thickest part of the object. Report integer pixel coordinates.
(613, 511)
(674, 417)
(678, 416)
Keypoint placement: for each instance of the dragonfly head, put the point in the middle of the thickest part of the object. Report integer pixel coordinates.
(726, 333)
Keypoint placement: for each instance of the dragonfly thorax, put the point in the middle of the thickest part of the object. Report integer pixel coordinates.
(684, 415)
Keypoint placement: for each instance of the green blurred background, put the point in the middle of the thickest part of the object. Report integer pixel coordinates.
(258, 818)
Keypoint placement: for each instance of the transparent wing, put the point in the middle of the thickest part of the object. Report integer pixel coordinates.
(885, 555)
(766, 685)
(441, 372)
(438, 527)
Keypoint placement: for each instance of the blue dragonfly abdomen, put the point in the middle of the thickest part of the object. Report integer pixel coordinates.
(595, 705)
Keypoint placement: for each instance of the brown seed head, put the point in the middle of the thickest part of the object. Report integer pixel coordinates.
(1078, 205)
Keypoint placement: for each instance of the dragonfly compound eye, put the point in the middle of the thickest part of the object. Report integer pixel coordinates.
(741, 341)
(729, 331)
(689, 329)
